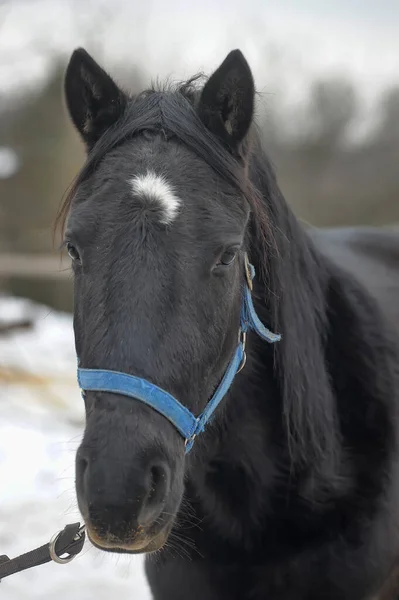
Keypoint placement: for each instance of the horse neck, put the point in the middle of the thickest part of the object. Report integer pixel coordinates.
(277, 433)
(282, 399)
(292, 298)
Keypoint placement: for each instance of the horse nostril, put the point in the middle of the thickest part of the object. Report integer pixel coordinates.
(82, 470)
(117, 504)
(156, 476)
(158, 486)
(81, 465)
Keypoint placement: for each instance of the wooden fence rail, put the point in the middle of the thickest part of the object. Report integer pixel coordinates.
(35, 266)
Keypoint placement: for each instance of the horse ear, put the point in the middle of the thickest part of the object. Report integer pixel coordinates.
(226, 104)
(93, 99)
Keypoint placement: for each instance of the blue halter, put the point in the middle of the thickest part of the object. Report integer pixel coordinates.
(189, 426)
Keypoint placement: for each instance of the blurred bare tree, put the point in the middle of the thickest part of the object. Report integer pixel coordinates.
(328, 180)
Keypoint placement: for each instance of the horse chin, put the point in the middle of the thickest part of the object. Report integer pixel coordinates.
(144, 545)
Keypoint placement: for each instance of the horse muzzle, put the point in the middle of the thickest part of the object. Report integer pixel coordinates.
(127, 495)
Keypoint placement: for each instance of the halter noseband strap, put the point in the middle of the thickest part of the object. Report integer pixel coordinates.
(189, 426)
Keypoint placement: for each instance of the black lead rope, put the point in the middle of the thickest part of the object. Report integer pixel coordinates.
(62, 548)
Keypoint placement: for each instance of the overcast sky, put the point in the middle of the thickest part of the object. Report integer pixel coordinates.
(287, 42)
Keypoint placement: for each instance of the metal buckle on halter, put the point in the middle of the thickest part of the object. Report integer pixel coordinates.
(189, 440)
(248, 273)
(242, 337)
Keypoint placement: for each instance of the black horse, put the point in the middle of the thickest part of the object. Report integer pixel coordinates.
(292, 491)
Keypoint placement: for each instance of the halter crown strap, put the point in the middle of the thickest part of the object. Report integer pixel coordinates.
(189, 426)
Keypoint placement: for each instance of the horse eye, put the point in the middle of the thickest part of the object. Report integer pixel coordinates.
(228, 257)
(72, 251)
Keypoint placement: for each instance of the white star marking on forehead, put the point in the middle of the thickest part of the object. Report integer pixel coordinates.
(155, 188)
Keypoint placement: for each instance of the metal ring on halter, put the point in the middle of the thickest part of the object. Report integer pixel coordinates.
(243, 362)
(52, 551)
(248, 273)
(242, 338)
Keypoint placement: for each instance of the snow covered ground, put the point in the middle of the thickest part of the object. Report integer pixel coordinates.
(41, 423)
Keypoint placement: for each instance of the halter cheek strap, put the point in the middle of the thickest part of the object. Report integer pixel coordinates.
(189, 426)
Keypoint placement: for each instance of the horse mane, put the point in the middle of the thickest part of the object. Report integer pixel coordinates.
(296, 291)
(292, 275)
